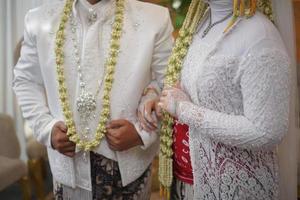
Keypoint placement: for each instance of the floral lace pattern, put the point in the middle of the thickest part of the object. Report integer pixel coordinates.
(238, 116)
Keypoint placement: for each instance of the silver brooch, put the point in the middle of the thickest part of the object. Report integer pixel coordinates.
(92, 16)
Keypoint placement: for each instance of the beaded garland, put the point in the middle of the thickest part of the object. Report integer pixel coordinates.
(195, 13)
(110, 65)
(242, 8)
(265, 6)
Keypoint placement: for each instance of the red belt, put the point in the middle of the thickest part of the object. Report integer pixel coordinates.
(181, 159)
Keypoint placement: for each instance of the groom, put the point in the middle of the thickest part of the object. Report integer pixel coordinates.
(62, 85)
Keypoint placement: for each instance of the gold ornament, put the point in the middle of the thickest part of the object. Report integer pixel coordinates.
(241, 8)
(110, 65)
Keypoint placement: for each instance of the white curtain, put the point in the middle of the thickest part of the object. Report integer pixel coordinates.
(12, 14)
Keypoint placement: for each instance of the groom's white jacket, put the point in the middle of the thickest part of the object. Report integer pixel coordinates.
(145, 46)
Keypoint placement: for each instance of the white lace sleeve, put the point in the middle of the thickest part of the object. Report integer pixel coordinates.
(264, 83)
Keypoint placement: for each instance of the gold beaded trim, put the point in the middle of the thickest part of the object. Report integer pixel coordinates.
(110, 65)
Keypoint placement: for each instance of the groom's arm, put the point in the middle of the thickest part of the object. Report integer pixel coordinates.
(29, 86)
(123, 134)
(162, 50)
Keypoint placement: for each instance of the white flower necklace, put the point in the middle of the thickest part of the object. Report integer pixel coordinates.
(110, 65)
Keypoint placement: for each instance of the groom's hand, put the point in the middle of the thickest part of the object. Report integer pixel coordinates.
(122, 135)
(60, 140)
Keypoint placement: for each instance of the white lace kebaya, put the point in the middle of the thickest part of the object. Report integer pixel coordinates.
(238, 84)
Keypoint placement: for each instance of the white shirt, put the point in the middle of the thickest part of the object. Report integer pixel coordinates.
(145, 46)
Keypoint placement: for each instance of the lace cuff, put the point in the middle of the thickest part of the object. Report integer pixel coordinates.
(189, 113)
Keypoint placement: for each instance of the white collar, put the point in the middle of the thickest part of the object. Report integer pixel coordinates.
(103, 4)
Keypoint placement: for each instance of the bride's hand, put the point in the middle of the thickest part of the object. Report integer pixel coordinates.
(147, 112)
(170, 99)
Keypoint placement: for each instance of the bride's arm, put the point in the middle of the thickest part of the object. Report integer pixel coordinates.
(264, 82)
(265, 88)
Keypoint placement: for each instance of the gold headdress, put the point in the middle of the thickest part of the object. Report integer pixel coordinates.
(247, 8)
(196, 12)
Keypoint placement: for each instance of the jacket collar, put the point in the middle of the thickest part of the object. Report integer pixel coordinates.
(104, 7)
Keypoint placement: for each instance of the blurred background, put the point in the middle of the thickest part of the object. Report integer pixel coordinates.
(24, 171)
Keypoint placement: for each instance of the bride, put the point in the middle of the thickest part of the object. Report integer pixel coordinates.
(231, 106)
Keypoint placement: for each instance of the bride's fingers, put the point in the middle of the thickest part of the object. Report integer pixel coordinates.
(163, 99)
(158, 111)
(177, 85)
(162, 105)
(165, 93)
(147, 126)
(149, 107)
(150, 119)
(155, 118)
(144, 124)
(140, 116)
